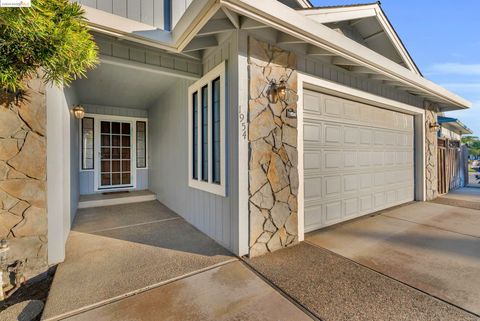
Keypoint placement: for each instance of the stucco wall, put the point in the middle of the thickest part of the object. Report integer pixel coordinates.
(23, 174)
(273, 174)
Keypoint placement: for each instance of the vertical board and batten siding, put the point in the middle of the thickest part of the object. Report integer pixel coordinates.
(135, 53)
(149, 12)
(214, 215)
(86, 179)
(178, 9)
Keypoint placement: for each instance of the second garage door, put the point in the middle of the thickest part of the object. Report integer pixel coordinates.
(358, 159)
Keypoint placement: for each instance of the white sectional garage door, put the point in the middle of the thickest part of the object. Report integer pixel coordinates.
(358, 159)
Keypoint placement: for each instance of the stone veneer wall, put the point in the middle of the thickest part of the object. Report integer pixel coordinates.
(431, 182)
(23, 214)
(273, 174)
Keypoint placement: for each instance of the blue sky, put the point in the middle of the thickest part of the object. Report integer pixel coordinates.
(443, 39)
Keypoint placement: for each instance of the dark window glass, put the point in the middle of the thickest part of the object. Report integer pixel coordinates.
(216, 131)
(195, 135)
(205, 133)
(87, 143)
(141, 144)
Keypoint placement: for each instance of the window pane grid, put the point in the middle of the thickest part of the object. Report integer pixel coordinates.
(216, 131)
(87, 143)
(195, 135)
(115, 153)
(205, 133)
(141, 144)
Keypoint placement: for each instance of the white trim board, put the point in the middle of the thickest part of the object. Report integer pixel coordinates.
(324, 86)
(219, 189)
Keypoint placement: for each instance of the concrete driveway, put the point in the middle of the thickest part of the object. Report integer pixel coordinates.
(431, 247)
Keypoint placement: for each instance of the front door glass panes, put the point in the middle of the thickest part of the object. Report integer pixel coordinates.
(115, 154)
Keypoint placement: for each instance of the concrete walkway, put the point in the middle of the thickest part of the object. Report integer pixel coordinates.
(143, 262)
(468, 197)
(229, 292)
(431, 247)
(117, 251)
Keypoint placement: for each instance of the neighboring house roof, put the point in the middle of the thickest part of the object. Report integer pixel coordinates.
(371, 25)
(205, 22)
(454, 125)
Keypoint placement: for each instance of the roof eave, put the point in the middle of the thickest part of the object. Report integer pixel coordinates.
(298, 25)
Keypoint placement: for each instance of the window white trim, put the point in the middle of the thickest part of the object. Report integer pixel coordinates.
(206, 80)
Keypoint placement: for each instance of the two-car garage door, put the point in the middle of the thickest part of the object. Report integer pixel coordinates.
(358, 159)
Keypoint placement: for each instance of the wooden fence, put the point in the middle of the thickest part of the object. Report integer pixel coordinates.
(452, 165)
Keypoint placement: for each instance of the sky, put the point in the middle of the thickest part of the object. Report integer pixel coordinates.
(443, 39)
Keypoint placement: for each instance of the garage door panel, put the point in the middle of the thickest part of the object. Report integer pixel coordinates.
(312, 132)
(333, 134)
(358, 159)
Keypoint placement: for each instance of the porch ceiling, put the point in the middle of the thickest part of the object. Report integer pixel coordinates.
(122, 86)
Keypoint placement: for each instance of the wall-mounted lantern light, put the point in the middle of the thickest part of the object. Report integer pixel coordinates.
(282, 90)
(278, 91)
(78, 111)
(272, 92)
(434, 127)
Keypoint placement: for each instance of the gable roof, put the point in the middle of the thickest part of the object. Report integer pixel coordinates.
(371, 27)
(200, 29)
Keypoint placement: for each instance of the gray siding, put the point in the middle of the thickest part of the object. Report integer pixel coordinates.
(178, 9)
(150, 12)
(336, 74)
(116, 111)
(214, 215)
(322, 68)
(132, 52)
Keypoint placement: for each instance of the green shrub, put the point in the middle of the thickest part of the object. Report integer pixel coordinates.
(52, 35)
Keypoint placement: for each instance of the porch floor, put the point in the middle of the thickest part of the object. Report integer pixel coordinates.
(116, 251)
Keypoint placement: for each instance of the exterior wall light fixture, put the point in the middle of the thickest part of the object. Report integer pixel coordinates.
(78, 111)
(277, 91)
(272, 92)
(434, 127)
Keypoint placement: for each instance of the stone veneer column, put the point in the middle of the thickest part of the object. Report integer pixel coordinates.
(431, 183)
(273, 175)
(23, 213)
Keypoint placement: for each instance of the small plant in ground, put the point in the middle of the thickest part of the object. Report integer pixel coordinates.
(52, 35)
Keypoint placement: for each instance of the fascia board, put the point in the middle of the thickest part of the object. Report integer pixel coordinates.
(327, 17)
(296, 24)
(128, 29)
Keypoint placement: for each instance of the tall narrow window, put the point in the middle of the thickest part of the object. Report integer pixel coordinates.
(206, 138)
(216, 131)
(87, 143)
(195, 135)
(141, 144)
(205, 133)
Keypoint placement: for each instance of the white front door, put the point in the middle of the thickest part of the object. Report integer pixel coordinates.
(115, 154)
(358, 159)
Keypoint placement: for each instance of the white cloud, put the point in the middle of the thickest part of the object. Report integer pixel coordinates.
(454, 69)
